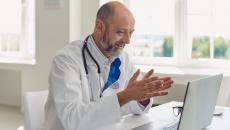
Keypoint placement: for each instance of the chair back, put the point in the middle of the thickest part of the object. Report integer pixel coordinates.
(34, 103)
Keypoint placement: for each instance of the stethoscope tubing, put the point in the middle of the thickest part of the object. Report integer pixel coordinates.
(85, 47)
(91, 56)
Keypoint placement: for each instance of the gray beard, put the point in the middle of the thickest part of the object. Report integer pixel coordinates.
(111, 51)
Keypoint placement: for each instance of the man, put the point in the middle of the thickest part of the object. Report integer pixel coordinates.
(93, 83)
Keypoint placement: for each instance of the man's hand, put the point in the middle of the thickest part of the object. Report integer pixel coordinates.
(145, 102)
(142, 90)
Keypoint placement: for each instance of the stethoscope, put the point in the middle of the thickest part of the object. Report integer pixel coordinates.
(91, 56)
(85, 47)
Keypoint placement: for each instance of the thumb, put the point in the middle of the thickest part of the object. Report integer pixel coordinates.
(135, 75)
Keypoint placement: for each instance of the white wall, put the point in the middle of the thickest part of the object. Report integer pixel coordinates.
(75, 20)
(89, 10)
(10, 87)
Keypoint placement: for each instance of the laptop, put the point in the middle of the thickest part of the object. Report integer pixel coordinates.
(199, 104)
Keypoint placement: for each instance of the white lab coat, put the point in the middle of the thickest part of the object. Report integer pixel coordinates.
(73, 102)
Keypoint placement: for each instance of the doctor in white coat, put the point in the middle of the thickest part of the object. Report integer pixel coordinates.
(93, 82)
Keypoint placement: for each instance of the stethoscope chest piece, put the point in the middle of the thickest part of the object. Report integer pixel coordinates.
(115, 85)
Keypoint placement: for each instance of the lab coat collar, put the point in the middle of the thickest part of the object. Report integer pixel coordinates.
(97, 54)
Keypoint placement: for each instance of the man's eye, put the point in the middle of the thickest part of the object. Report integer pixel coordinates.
(120, 32)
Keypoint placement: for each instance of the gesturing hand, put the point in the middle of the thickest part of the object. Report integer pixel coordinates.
(149, 86)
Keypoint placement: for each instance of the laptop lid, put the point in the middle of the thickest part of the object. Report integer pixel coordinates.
(199, 103)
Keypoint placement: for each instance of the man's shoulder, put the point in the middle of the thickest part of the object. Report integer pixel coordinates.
(73, 47)
(71, 51)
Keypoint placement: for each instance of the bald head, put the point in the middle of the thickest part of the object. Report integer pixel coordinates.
(113, 28)
(108, 11)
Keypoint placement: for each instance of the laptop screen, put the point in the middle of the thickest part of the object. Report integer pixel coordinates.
(199, 102)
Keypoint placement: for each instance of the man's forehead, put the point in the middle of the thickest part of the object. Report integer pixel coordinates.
(120, 22)
(120, 26)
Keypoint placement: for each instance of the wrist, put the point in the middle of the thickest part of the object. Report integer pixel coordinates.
(123, 98)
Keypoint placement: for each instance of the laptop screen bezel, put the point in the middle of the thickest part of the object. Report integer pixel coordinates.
(185, 96)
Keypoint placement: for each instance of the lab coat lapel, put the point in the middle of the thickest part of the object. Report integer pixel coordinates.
(94, 84)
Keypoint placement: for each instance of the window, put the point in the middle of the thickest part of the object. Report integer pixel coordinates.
(209, 29)
(17, 33)
(180, 32)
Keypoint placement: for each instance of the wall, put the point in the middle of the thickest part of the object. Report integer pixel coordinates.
(10, 87)
(89, 11)
(75, 20)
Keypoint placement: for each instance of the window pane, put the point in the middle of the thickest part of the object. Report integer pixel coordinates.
(154, 27)
(10, 14)
(221, 21)
(201, 47)
(152, 45)
(222, 48)
(10, 25)
(199, 6)
(199, 30)
(10, 42)
(209, 28)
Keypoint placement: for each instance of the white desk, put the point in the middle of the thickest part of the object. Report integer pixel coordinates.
(162, 113)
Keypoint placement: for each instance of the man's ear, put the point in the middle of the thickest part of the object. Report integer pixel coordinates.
(100, 26)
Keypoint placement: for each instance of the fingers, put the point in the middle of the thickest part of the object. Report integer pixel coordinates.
(165, 78)
(158, 85)
(161, 93)
(149, 95)
(149, 86)
(163, 88)
(135, 75)
(153, 86)
(150, 73)
(167, 84)
(147, 80)
(167, 81)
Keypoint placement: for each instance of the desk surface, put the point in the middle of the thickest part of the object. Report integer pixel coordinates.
(164, 113)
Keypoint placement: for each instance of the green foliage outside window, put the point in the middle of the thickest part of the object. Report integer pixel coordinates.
(201, 47)
(221, 47)
(168, 47)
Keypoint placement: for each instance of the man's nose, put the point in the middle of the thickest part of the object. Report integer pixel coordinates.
(126, 39)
